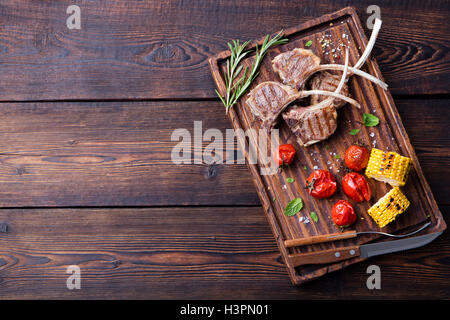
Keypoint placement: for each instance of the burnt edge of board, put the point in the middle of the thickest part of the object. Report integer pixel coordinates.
(438, 223)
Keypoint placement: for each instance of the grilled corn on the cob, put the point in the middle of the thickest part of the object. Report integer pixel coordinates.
(388, 167)
(389, 207)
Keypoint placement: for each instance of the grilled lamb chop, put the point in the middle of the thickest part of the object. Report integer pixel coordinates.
(317, 122)
(327, 82)
(295, 67)
(311, 124)
(268, 99)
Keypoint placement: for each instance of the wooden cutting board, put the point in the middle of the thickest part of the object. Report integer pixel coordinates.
(341, 27)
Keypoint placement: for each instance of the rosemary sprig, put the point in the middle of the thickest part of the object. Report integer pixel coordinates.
(236, 88)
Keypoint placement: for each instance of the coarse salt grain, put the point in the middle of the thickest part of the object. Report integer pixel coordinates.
(284, 187)
(315, 167)
(372, 134)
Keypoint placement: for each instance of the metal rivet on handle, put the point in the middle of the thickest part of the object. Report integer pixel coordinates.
(337, 254)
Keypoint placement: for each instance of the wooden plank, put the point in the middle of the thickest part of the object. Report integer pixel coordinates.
(424, 122)
(186, 253)
(342, 26)
(106, 154)
(149, 49)
(94, 154)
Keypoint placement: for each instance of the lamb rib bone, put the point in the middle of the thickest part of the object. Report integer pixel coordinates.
(316, 122)
(295, 67)
(268, 99)
(324, 80)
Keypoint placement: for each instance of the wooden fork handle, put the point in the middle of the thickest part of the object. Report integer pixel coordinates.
(319, 239)
(325, 256)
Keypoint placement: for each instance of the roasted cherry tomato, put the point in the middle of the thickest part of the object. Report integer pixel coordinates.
(356, 157)
(285, 154)
(321, 184)
(355, 186)
(343, 214)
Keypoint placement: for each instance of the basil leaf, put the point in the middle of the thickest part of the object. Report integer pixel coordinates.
(370, 120)
(290, 180)
(308, 43)
(314, 216)
(354, 132)
(293, 207)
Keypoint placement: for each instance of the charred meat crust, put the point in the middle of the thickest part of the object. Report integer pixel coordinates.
(296, 66)
(328, 82)
(268, 99)
(311, 124)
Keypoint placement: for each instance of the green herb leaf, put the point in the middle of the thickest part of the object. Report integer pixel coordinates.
(305, 167)
(293, 207)
(370, 120)
(327, 147)
(314, 216)
(354, 132)
(336, 156)
(308, 44)
(290, 180)
(235, 85)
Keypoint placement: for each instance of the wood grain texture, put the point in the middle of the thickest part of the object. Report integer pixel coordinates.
(105, 154)
(108, 154)
(186, 253)
(432, 146)
(94, 154)
(149, 49)
(273, 189)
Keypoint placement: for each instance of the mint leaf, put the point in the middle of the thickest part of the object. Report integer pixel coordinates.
(308, 44)
(314, 216)
(354, 132)
(370, 120)
(293, 207)
(290, 180)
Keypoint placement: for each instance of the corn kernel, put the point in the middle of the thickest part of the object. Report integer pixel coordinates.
(389, 207)
(388, 167)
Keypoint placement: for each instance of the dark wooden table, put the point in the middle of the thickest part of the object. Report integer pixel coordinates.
(86, 118)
